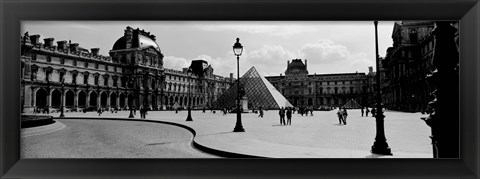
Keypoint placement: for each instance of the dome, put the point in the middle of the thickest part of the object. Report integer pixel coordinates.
(120, 44)
(138, 41)
(296, 67)
(146, 41)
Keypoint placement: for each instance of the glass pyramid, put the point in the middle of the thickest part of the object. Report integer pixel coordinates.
(258, 90)
(352, 104)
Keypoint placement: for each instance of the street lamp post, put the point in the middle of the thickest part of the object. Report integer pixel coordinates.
(380, 145)
(189, 117)
(62, 96)
(131, 85)
(237, 50)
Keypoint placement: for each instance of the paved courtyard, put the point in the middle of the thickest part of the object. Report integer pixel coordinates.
(80, 138)
(317, 136)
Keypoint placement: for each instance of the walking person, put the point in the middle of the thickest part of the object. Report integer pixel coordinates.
(99, 111)
(289, 116)
(366, 111)
(145, 112)
(281, 112)
(373, 112)
(340, 116)
(361, 110)
(260, 111)
(345, 114)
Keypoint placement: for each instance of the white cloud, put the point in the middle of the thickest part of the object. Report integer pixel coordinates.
(261, 28)
(220, 67)
(324, 51)
(270, 60)
(324, 56)
(175, 63)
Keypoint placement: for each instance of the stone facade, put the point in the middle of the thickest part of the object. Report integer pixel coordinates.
(407, 64)
(320, 90)
(68, 75)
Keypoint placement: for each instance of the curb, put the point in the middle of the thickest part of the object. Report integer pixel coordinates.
(193, 143)
(31, 131)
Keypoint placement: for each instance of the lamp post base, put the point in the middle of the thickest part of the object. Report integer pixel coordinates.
(238, 129)
(381, 148)
(62, 115)
(189, 117)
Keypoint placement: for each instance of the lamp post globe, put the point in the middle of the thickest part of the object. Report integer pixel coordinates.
(237, 50)
(189, 116)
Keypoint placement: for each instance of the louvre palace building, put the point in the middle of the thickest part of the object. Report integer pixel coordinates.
(66, 75)
(407, 64)
(328, 90)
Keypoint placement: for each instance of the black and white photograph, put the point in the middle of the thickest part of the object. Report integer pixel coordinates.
(239, 89)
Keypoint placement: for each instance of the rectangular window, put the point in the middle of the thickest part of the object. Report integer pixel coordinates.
(85, 79)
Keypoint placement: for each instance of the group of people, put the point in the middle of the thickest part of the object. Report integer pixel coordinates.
(143, 112)
(342, 115)
(304, 110)
(288, 112)
(366, 111)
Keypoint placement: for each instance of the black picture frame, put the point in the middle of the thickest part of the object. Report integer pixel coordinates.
(13, 12)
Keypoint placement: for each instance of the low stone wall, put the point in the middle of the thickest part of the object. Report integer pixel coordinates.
(35, 120)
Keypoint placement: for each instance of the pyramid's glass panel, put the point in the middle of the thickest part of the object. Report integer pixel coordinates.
(258, 91)
(352, 104)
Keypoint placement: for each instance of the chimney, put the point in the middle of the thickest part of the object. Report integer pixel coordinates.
(305, 64)
(231, 77)
(288, 63)
(48, 42)
(35, 39)
(95, 51)
(73, 47)
(370, 69)
(62, 45)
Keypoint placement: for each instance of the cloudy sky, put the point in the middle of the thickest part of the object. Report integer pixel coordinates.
(328, 46)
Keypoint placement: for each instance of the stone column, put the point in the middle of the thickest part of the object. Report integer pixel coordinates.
(34, 98)
(75, 99)
(87, 101)
(99, 95)
(108, 100)
(118, 100)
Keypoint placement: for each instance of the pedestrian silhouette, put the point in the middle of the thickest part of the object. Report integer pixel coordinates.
(289, 116)
(282, 116)
(261, 112)
(345, 114)
(340, 116)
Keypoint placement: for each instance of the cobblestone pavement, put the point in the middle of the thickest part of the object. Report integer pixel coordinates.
(317, 136)
(111, 139)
